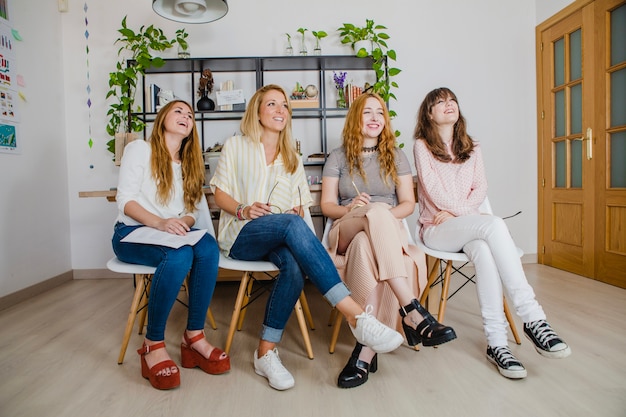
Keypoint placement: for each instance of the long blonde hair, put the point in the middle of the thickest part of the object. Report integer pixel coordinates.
(352, 137)
(252, 127)
(191, 159)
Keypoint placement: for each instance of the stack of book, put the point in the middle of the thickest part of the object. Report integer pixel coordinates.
(352, 92)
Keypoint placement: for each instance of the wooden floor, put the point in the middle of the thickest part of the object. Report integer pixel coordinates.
(58, 357)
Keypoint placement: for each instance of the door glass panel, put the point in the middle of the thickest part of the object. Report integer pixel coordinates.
(559, 113)
(559, 62)
(560, 164)
(576, 109)
(618, 98)
(618, 160)
(618, 35)
(575, 56)
(576, 163)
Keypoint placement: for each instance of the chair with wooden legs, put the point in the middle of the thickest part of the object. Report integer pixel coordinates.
(442, 274)
(335, 318)
(142, 276)
(265, 271)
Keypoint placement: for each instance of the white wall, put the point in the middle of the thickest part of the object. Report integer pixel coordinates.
(34, 207)
(483, 50)
(546, 9)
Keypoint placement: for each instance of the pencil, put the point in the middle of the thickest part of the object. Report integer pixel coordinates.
(356, 189)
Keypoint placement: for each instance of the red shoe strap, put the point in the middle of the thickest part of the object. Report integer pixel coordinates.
(147, 349)
(194, 339)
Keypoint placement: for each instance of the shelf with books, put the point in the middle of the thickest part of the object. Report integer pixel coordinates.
(316, 122)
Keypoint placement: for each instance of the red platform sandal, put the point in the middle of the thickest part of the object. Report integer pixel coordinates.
(190, 358)
(158, 381)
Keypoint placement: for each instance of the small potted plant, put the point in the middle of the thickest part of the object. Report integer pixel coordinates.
(303, 50)
(320, 34)
(205, 86)
(288, 48)
(136, 48)
(372, 34)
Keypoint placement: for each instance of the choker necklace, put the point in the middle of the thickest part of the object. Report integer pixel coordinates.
(369, 149)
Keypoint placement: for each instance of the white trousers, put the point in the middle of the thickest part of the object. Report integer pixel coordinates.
(486, 241)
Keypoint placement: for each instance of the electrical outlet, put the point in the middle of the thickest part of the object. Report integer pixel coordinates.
(63, 5)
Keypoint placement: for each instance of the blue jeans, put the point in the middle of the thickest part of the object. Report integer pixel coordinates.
(172, 266)
(288, 242)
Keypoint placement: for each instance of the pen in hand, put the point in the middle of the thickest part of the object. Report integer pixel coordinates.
(358, 194)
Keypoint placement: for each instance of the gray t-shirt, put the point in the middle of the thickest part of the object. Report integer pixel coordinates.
(337, 167)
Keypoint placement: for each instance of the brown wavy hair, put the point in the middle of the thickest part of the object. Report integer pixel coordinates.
(191, 160)
(352, 137)
(426, 130)
(252, 128)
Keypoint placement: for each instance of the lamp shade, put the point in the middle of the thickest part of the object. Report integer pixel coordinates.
(191, 11)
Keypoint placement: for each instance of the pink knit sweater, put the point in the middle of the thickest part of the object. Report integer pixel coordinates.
(444, 186)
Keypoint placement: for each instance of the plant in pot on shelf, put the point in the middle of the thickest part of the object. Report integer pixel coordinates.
(319, 35)
(136, 46)
(376, 47)
(205, 86)
(289, 47)
(303, 50)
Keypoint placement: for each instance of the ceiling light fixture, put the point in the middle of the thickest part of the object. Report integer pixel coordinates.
(191, 11)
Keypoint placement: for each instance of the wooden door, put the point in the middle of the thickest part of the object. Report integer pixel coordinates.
(582, 140)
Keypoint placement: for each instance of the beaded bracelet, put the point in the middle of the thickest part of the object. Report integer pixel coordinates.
(239, 212)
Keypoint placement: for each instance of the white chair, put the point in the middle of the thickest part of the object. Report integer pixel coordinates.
(248, 268)
(142, 276)
(335, 318)
(441, 274)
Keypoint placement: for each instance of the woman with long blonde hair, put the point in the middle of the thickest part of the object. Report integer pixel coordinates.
(160, 186)
(367, 188)
(261, 188)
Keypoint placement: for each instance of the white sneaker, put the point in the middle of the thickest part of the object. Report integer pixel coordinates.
(375, 335)
(270, 366)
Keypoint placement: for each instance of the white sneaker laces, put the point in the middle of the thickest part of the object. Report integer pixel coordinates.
(505, 356)
(543, 332)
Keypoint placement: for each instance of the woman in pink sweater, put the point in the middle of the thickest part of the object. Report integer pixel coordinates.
(451, 187)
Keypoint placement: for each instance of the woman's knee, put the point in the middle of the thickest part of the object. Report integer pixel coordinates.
(206, 248)
(180, 258)
(287, 264)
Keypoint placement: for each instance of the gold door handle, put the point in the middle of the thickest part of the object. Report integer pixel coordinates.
(588, 137)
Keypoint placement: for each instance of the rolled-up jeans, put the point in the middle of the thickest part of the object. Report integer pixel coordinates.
(487, 242)
(172, 266)
(288, 242)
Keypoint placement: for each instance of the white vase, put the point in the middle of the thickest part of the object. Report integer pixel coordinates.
(211, 159)
(365, 44)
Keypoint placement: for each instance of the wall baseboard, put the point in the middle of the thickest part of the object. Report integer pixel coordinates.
(98, 274)
(26, 293)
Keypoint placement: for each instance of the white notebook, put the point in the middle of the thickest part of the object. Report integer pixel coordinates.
(153, 236)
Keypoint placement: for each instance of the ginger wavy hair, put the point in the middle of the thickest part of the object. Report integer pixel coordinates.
(462, 143)
(352, 137)
(252, 128)
(191, 160)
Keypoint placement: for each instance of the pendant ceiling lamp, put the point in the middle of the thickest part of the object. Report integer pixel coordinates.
(191, 11)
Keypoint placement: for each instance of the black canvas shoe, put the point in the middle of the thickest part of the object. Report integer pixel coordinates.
(546, 341)
(507, 364)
